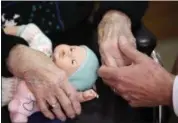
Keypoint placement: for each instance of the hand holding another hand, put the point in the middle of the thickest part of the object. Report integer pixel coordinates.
(143, 83)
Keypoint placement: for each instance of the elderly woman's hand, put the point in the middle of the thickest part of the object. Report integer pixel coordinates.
(48, 83)
(113, 25)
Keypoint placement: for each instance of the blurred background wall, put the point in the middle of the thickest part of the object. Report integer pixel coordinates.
(162, 19)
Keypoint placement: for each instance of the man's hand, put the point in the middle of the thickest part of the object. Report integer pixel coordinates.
(144, 83)
(113, 25)
(48, 83)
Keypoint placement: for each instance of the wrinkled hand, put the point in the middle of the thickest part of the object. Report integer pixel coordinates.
(144, 83)
(48, 83)
(114, 25)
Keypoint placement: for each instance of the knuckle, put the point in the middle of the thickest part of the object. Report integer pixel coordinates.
(121, 89)
(44, 109)
(59, 97)
(67, 104)
(49, 96)
(57, 80)
(73, 97)
(58, 112)
(38, 98)
(132, 104)
(59, 77)
(71, 93)
(126, 97)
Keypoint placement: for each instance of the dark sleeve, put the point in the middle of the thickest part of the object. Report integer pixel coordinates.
(134, 10)
(8, 42)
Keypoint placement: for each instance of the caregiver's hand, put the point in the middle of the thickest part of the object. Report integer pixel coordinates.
(48, 83)
(113, 25)
(144, 83)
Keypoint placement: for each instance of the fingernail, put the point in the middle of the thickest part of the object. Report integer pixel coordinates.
(63, 118)
(94, 94)
(51, 117)
(72, 116)
(78, 110)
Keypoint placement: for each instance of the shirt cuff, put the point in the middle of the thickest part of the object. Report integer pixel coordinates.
(175, 95)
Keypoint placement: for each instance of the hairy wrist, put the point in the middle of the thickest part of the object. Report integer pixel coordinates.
(113, 21)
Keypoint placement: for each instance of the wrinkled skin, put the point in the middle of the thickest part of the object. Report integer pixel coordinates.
(144, 83)
(42, 77)
(114, 25)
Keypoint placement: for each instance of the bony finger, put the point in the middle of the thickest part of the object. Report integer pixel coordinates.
(116, 91)
(111, 83)
(134, 103)
(110, 61)
(107, 58)
(52, 101)
(130, 52)
(72, 94)
(126, 97)
(58, 112)
(118, 58)
(75, 103)
(44, 109)
(65, 103)
(56, 108)
(90, 94)
(108, 73)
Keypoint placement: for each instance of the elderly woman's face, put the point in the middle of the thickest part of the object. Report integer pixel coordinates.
(69, 58)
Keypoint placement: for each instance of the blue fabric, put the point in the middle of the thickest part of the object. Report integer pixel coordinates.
(38, 117)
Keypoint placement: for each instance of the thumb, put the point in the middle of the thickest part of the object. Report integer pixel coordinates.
(109, 73)
(129, 51)
(87, 95)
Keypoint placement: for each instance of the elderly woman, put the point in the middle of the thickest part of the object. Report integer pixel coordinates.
(71, 22)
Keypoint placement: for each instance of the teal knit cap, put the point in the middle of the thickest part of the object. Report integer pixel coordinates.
(86, 75)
